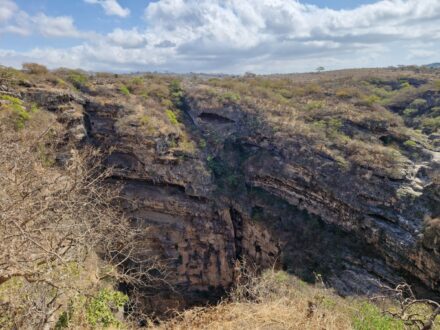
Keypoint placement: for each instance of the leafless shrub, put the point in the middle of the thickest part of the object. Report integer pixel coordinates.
(61, 232)
(34, 68)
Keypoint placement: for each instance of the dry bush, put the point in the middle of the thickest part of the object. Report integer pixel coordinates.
(35, 68)
(62, 238)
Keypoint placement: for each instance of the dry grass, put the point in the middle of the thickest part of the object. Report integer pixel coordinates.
(280, 314)
(278, 301)
(274, 301)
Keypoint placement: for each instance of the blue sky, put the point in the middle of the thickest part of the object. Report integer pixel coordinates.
(232, 36)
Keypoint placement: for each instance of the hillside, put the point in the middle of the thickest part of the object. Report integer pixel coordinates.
(150, 194)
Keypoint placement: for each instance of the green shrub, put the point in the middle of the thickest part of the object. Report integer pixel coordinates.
(137, 81)
(124, 90)
(10, 73)
(229, 97)
(188, 146)
(312, 88)
(60, 82)
(167, 103)
(405, 84)
(334, 124)
(176, 93)
(370, 317)
(19, 113)
(331, 127)
(136, 86)
(314, 105)
(144, 120)
(171, 117)
(22, 116)
(11, 99)
(418, 103)
(77, 79)
(63, 321)
(370, 100)
(346, 93)
(433, 124)
(158, 91)
(410, 144)
(409, 112)
(202, 143)
(99, 310)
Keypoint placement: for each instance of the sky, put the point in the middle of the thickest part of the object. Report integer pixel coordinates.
(219, 36)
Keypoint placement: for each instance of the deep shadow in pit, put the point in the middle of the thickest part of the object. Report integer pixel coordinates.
(315, 251)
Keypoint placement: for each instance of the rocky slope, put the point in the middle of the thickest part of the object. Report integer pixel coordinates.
(218, 175)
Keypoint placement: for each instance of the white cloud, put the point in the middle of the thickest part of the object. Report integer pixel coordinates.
(127, 38)
(425, 52)
(60, 26)
(111, 7)
(249, 35)
(7, 9)
(16, 21)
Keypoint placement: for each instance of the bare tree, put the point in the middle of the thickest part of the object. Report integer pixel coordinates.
(57, 223)
(409, 307)
(34, 68)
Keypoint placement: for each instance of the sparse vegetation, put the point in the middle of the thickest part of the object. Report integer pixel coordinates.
(330, 115)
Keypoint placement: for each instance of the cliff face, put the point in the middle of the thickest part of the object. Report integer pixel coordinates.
(223, 185)
(380, 215)
(199, 233)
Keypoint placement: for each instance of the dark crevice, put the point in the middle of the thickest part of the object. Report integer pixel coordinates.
(214, 118)
(148, 182)
(237, 222)
(381, 218)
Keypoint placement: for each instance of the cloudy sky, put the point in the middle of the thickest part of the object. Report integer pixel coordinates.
(230, 36)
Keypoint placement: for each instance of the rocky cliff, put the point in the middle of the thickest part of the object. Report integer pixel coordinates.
(218, 175)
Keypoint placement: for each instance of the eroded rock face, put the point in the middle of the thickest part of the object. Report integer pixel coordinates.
(383, 213)
(253, 197)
